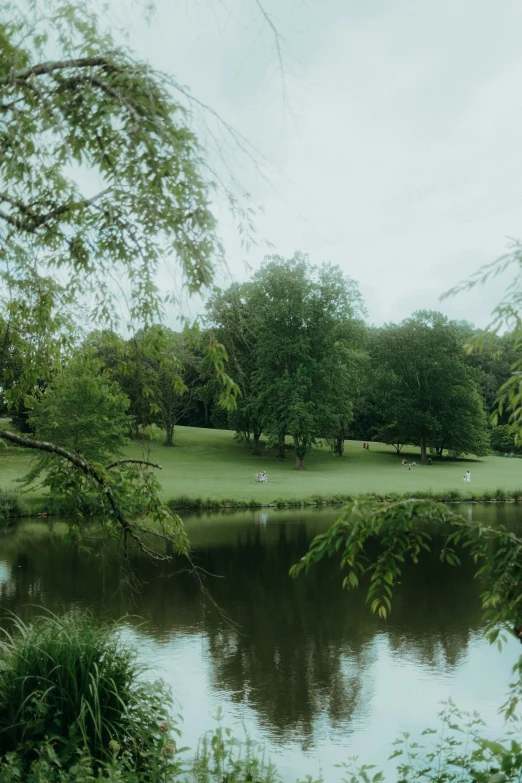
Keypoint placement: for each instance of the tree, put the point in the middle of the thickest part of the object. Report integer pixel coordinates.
(301, 383)
(236, 323)
(82, 410)
(503, 439)
(427, 394)
(177, 373)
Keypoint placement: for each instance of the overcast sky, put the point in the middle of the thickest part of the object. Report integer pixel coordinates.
(395, 151)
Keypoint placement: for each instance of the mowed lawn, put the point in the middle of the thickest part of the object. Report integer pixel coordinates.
(211, 464)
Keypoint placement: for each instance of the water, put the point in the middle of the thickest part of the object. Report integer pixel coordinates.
(308, 671)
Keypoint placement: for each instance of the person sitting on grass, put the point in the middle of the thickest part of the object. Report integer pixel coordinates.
(404, 461)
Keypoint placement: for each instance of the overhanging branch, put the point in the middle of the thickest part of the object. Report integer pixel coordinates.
(15, 77)
(134, 461)
(96, 475)
(31, 220)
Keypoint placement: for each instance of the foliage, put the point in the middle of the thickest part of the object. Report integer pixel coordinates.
(458, 755)
(231, 314)
(106, 111)
(11, 507)
(85, 413)
(73, 683)
(76, 109)
(222, 757)
(506, 315)
(82, 410)
(375, 541)
(293, 329)
(178, 378)
(503, 439)
(427, 393)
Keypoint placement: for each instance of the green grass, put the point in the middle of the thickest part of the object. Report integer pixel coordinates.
(211, 464)
(78, 683)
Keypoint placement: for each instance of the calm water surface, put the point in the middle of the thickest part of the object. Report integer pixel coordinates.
(307, 670)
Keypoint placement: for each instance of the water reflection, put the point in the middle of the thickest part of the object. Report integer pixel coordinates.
(302, 656)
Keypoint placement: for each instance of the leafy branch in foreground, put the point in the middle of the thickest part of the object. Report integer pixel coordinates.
(459, 754)
(374, 543)
(506, 315)
(118, 504)
(103, 183)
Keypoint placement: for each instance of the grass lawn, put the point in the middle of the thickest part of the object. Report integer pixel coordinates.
(210, 464)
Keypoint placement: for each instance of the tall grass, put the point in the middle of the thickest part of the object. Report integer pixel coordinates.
(75, 682)
(11, 507)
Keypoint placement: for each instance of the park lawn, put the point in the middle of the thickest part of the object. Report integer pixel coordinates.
(206, 463)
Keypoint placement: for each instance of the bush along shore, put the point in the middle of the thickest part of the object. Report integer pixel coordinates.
(12, 507)
(499, 495)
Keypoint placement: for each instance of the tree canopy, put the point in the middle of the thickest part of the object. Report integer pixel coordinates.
(293, 332)
(428, 395)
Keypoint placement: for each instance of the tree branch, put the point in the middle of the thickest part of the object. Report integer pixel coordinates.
(58, 65)
(51, 448)
(7, 106)
(91, 472)
(135, 461)
(32, 220)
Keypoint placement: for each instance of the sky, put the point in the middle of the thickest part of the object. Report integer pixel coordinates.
(391, 134)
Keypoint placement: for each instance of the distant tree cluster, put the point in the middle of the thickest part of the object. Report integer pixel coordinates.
(308, 368)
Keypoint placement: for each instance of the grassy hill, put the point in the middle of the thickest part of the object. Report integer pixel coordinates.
(210, 463)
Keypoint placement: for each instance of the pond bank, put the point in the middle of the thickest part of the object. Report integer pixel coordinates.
(185, 503)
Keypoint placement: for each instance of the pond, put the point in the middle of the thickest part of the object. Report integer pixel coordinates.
(301, 665)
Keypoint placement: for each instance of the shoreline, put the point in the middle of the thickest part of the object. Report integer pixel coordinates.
(184, 503)
(189, 504)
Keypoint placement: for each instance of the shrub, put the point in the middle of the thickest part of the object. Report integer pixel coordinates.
(500, 494)
(75, 682)
(11, 507)
(454, 495)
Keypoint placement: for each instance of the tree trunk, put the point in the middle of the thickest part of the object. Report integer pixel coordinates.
(169, 431)
(255, 447)
(299, 455)
(424, 458)
(281, 446)
(339, 444)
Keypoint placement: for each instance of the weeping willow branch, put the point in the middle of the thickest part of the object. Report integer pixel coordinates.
(134, 462)
(100, 478)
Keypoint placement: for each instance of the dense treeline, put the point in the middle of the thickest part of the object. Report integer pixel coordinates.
(307, 366)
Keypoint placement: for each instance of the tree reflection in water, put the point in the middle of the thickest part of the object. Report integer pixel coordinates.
(301, 648)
